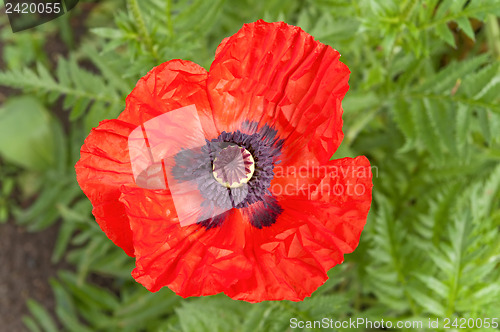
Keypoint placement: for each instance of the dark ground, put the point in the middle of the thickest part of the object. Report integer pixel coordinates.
(25, 265)
(25, 268)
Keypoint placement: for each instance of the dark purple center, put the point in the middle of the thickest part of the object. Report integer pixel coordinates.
(234, 170)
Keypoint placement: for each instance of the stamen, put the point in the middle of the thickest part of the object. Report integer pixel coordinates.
(234, 170)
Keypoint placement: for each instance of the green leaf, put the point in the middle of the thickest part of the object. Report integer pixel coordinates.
(404, 118)
(31, 324)
(437, 286)
(428, 303)
(427, 134)
(464, 24)
(462, 122)
(88, 294)
(42, 316)
(73, 82)
(440, 116)
(26, 136)
(43, 212)
(107, 32)
(197, 316)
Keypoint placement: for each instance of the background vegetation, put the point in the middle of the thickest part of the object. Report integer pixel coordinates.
(423, 107)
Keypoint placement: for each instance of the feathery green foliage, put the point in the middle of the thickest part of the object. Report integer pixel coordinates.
(423, 107)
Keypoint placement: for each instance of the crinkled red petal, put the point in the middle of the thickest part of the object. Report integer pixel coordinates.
(104, 165)
(190, 260)
(169, 86)
(317, 227)
(277, 74)
(105, 162)
(288, 260)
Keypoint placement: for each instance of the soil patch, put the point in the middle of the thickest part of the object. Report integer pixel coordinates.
(25, 268)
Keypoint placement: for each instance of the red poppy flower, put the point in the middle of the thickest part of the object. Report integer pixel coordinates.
(221, 181)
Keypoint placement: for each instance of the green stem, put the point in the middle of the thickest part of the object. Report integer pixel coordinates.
(493, 35)
(457, 99)
(407, 11)
(169, 18)
(457, 269)
(454, 17)
(133, 7)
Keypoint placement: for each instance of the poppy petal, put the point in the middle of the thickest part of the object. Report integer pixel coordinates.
(172, 85)
(105, 160)
(310, 236)
(277, 74)
(343, 186)
(104, 165)
(263, 213)
(329, 182)
(191, 260)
